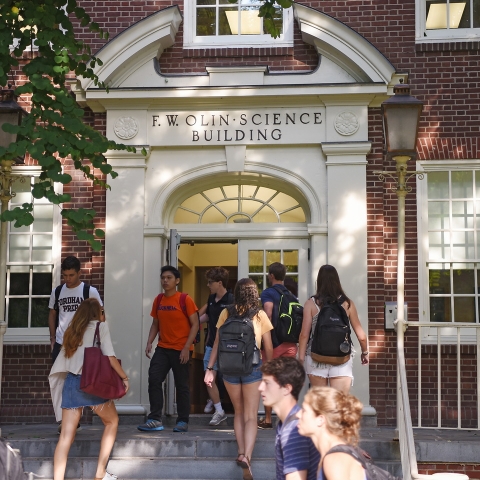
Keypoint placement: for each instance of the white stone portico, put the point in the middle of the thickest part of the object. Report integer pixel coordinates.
(305, 133)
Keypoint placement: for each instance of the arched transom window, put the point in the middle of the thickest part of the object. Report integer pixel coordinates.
(240, 204)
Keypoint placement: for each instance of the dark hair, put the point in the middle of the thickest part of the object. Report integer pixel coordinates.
(291, 285)
(286, 371)
(342, 412)
(218, 274)
(169, 268)
(70, 263)
(278, 270)
(246, 299)
(329, 288)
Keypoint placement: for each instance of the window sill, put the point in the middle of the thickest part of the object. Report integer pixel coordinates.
(203, 52)
(447, 45)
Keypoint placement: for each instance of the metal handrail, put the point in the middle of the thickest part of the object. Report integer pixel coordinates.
(404, 420)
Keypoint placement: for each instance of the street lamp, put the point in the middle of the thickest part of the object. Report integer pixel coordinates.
(10, 112)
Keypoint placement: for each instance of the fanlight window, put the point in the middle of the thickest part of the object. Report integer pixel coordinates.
(240, 204)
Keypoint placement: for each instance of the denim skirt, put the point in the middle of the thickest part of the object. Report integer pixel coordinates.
(73, 397)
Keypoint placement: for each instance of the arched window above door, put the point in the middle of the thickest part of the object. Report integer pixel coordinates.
(240, 204)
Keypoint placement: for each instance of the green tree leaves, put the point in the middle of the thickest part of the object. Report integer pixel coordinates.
(55, 128)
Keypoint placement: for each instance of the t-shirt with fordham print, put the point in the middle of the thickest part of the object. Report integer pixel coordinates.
(68, 302)
(173, 325)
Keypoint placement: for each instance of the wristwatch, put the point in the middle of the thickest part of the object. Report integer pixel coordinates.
(210, 368)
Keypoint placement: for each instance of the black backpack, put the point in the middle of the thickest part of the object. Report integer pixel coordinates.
(288, 315)
(331, 342)
(86, 294)
(237, 346)
(11, 465)
(373, 471)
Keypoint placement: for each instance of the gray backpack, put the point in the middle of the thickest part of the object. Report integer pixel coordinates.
(11, 465)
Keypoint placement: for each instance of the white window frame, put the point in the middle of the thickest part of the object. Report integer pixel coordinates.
(39, 335)
(437, 36)
(429, 336)
(190, 40)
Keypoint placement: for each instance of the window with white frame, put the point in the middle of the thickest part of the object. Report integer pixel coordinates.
(448, 20)
(451, 235)
(31, 259)
(220, 23)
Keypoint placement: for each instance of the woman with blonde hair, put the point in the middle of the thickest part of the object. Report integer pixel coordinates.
(69, 400)
(243, 391)
(332, 418)
(329, 290)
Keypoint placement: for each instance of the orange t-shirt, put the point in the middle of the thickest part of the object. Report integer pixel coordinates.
(173, 325)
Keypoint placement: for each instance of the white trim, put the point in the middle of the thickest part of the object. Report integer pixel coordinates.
(191, 41)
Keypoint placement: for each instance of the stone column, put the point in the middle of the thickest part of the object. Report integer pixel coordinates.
(347, 234)
(124, 264)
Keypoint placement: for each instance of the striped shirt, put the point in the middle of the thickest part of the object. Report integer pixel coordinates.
(294, 453)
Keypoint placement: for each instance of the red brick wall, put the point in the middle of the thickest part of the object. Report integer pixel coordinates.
(470, 469)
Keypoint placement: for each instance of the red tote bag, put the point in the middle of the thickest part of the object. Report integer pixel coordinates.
(98, 376)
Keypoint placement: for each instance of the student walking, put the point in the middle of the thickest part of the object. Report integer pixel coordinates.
(217, 280)
(271, 298)
(332, 418)
(329, 290)
(296, 457)
(243, 390)
(69, 400)
(175, 321)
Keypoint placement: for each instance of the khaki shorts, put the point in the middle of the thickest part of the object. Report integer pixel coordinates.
(325, 370)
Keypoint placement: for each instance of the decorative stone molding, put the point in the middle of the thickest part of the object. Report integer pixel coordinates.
(125, 128)
(346, 123)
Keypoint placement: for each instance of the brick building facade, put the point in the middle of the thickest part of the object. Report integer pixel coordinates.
(185, 78)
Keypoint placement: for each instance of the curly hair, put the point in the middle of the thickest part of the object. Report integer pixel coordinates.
(88, 310)
(246, 299)
(342, 412)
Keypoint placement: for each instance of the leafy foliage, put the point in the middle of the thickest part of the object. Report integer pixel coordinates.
(54, 129)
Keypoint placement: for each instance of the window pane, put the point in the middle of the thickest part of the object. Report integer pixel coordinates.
(438, 215)
(463, 282)
(23, 192)
(214, 194)
(277, 20)
(41, 282)
(273, 256)
(206, 22)
(250, 22)
(250, 206)
(212, 215)
(439, 281)
(19, 248)
(39, 312)
(266, 215)
(437, 185)
(464, 309)
(182, 216)
(228, 207)
(290, 260)
(258, 279)
(231, 191)
(18, 313)
(462, 214)
(462, 245)
(42, 248)
(439, 246)
(293, 216)
(440, 309)
(476, 13)
(43, 218)
(196, 203)
(462, 184)
(255, 261)
(228, 21)
(19, 282)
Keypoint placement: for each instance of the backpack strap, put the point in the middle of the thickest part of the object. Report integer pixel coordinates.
(58, 289)
(183, 304)
(158, 301)
(355, 452)
(86, 290)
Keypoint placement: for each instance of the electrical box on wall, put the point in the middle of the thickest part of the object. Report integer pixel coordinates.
(391, 314)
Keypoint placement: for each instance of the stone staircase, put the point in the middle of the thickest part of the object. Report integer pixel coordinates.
(202, 453)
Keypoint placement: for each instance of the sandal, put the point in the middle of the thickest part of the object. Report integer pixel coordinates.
(240, 462)
(246, 468)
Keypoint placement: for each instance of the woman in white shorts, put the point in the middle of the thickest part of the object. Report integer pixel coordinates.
(321, 374)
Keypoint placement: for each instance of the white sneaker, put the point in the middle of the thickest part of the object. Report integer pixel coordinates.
(110, 476)
(209, 406)
(217, 418)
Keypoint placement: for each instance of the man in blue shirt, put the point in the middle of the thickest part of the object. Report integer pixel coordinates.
(296, 457)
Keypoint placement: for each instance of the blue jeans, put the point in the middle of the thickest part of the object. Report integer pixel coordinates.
(255, 376)
(73, 397)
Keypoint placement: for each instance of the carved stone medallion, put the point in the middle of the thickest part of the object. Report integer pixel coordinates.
(346, 123)
(125, 128)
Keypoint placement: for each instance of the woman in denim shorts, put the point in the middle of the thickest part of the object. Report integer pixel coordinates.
(243, 391)
(67, 397)
(329, 290)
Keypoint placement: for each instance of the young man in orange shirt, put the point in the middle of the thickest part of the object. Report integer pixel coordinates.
(176, 328)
